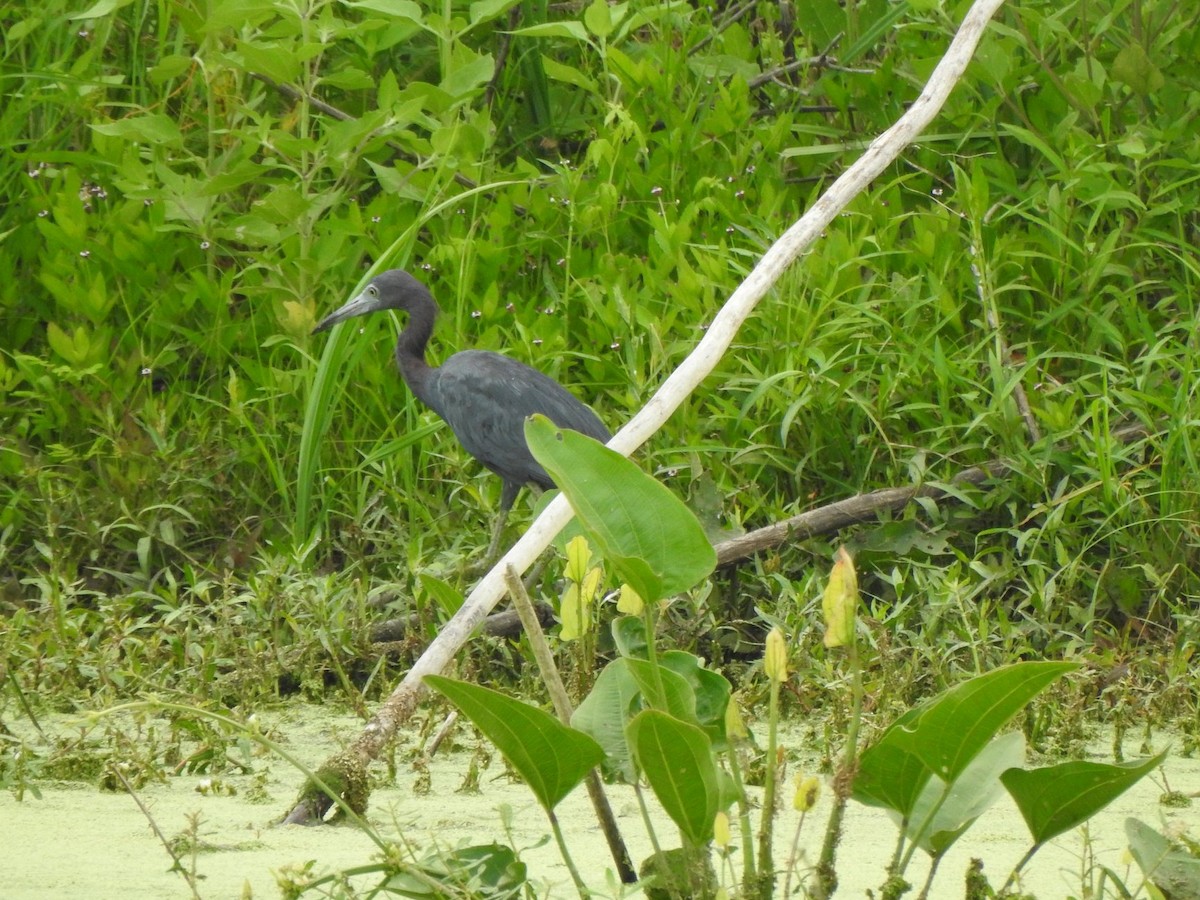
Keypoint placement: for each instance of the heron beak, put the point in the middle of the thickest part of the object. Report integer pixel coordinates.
(359, 306)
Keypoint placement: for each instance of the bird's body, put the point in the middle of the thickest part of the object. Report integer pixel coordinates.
(484, 397)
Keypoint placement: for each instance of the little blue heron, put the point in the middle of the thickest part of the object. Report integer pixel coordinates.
(484, 397)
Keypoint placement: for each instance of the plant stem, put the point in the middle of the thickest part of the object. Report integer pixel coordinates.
(826, 882)
(735, 772)
(933, 867)
(766, 865)
(566, 855)
(659, 700)
(562, 706)
(787, 881)
(1012, 876)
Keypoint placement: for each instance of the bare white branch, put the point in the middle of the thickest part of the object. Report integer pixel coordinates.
(684, 380)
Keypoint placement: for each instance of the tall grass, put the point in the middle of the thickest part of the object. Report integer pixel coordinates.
(179, 216)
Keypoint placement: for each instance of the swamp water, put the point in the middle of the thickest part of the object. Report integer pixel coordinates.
(77, 841)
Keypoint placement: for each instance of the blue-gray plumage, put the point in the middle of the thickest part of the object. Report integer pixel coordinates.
(484, 397)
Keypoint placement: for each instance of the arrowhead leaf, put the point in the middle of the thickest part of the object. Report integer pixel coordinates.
(552, 757)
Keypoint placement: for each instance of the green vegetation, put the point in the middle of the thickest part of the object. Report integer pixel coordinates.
(198, 499)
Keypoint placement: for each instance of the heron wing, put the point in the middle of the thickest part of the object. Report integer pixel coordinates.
(485, 398)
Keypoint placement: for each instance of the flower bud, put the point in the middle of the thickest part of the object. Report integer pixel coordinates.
(841, 601)
(721, 835)
(807, 789)
(775, 661)
(735, 727)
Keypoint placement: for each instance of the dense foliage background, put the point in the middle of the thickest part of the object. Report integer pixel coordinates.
(190, 186)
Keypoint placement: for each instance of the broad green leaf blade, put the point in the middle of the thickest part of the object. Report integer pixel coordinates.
(1055, 799)
(443, 593)
(486, 871)
(710, 689)
(888, 774)
(679, 699)
(552, 757)
(152, 128)
(643, 530)
(1173, 871)
(677, 759)
(943, 735)
(942, 815)
(952, 728)
(629, 634)
(605, 712)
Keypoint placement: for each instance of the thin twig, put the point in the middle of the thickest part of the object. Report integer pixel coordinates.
(178, 863)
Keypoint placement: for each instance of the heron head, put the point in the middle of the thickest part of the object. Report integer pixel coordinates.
(394, 289)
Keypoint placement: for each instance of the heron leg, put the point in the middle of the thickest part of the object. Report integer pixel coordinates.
(493, 550)
(508, 496)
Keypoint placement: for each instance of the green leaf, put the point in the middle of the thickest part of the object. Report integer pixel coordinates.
(552, 757)
(604, 714)
(169, 67)
(153, 128)
(486, 10)
(444, 594)
(276, 59)
(943, 813)
(567, 74)
(960, 722)
(643, 530)
(350, 78)
(466, 78)
(677, 759)
(889, 775)
(569, 29)
(598, 19)
(710, 691)
(1029, 138)
(100, 9)
(942, 736)
(75, 348)
(493, 872)
(629, 634)
(398, 9)
(1134, 67)
(1055, 799)
(1173, 871)
(678, 697)
(821, 21)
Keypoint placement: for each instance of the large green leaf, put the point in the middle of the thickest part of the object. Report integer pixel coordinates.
(552, 757)
(605, 712)
(1055, 799)
(678, 697)
(643, 530)
(944, 812)
(1174, 872)
(710, 690)
(487, 872)
(677, 759)
(942, 736)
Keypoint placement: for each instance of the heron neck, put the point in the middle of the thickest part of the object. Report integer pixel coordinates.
(410, 354)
